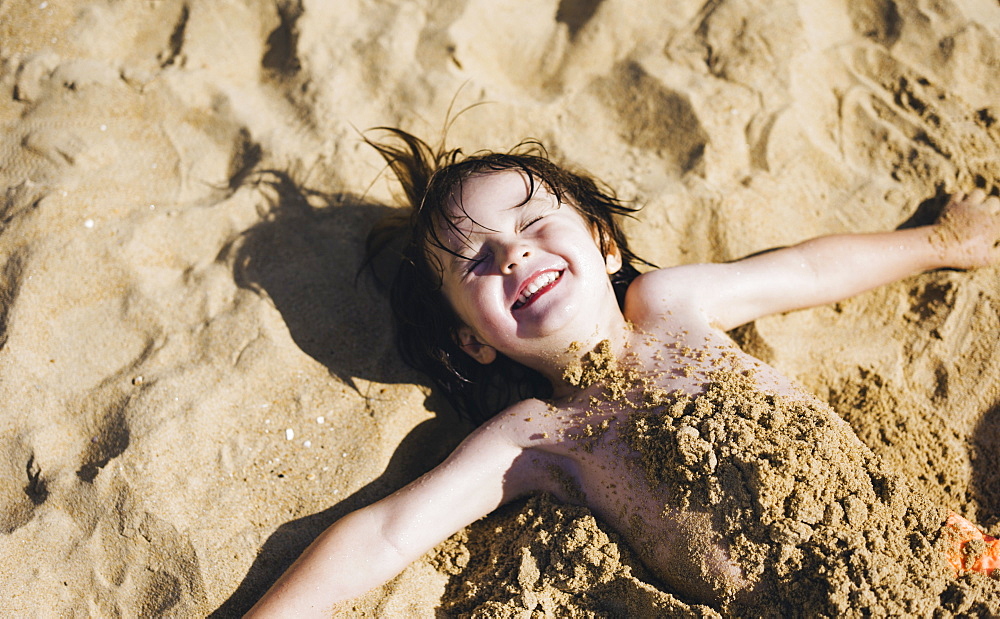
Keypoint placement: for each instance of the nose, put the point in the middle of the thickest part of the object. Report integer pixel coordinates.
(513, 256)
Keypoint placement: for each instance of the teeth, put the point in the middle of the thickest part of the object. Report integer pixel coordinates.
(542, 281)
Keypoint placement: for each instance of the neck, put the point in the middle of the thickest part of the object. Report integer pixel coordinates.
(567, 353)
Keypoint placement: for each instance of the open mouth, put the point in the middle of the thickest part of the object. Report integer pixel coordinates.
(536, 288)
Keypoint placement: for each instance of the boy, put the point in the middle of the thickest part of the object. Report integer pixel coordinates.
(648, 414)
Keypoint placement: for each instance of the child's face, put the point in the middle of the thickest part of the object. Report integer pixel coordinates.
(530, 268)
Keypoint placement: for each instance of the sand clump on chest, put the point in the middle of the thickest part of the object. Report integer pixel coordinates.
(807, 510)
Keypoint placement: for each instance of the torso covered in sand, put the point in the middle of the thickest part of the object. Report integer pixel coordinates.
(724, 476)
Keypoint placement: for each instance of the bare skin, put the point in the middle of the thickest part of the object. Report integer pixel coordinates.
(543, 446)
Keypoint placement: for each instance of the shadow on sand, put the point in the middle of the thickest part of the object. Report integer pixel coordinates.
(305, 256)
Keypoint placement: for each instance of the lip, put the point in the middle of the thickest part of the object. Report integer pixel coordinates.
(540, 291)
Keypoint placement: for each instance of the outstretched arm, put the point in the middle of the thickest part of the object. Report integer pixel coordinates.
(368, 547)
(831, 268)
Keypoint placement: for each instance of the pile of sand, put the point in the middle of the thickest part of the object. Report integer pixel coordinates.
(194, 382)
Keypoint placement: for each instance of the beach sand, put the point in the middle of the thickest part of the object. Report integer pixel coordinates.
(195, 382)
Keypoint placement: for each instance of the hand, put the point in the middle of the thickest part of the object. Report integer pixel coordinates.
(968, 231)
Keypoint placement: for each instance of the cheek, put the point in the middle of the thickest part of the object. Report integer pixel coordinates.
(482, 309)
(467, 301)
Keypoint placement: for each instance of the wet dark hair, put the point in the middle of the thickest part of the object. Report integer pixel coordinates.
(425, 322)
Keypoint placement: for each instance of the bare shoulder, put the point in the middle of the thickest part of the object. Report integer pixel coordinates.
(520, 424)
(518, 430)
(679, 289)
(537, 429)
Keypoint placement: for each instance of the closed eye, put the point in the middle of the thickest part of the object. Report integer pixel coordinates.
(471, 264)
(537, 209)
(531, 222)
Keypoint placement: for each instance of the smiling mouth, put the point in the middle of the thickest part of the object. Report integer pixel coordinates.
(540, 284)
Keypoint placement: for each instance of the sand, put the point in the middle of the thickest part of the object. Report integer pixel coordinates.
(194, 382)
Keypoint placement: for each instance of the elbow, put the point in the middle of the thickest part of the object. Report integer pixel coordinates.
(394, 537)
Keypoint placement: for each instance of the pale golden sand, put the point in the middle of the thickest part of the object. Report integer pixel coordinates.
(193, 386)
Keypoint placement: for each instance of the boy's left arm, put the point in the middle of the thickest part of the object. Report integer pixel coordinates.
(373, 544)
(831, 268)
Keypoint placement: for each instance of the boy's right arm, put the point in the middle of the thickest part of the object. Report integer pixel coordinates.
(829, 268)
(368, 547)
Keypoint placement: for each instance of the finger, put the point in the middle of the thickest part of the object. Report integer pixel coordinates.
(977, 196)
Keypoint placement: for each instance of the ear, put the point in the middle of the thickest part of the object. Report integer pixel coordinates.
(613, 260)
(472, 346)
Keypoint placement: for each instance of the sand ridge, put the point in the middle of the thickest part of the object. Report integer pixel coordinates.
(193, 381)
